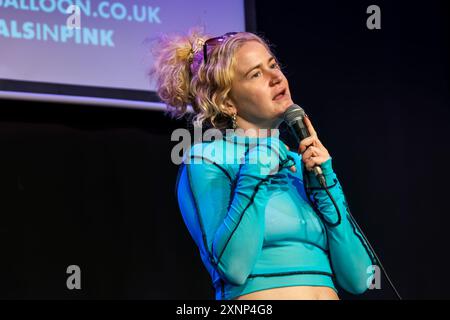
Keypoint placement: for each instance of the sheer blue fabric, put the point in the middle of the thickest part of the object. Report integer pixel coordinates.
(259, 226)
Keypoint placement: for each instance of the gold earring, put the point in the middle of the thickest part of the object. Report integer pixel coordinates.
(233, 120)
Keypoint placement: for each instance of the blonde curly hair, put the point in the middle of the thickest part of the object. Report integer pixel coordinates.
(183, 79)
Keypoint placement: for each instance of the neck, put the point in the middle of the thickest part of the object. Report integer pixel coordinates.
(257, 129)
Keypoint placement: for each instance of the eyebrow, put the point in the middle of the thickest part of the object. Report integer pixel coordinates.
(258, 66)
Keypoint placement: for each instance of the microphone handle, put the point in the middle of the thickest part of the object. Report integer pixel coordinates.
(300, 131)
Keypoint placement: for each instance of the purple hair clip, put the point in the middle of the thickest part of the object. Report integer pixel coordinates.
(197, 56)
(196, 62)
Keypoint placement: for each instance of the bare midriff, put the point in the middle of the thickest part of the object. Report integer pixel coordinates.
(292, 293)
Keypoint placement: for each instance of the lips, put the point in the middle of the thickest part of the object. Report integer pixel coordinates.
(280, 94)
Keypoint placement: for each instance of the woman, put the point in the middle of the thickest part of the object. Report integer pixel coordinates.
(264, 229)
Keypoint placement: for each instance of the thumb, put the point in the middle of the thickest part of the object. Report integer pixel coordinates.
(293, 168)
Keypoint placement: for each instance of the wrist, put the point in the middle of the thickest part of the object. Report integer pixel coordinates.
(328, 173)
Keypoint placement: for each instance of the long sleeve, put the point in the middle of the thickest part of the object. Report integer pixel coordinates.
(350, 255)
(232, 210)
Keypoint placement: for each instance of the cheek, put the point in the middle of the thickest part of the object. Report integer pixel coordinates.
(252, 95)
(260, 93)
(254, 99)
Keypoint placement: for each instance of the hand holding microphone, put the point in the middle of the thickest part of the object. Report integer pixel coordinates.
(312, 150)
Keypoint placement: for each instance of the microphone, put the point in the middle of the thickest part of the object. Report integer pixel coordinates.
(293, 116)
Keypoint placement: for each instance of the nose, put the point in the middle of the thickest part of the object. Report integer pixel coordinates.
(276, 77)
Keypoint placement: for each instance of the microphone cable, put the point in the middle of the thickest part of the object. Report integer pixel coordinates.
(323, 183)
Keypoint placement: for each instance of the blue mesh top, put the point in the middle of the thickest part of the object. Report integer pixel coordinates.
(258, 229)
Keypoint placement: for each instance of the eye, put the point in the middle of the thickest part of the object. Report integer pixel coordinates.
(274, 65)
(255, 75)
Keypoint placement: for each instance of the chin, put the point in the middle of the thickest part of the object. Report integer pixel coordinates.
(278, 109)
(290, 103)
(282, 108)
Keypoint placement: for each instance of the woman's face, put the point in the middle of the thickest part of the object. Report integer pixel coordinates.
(256, 87)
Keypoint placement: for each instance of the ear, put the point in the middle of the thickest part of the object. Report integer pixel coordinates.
(230, 105)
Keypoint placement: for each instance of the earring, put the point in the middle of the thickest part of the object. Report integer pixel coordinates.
(233, 120)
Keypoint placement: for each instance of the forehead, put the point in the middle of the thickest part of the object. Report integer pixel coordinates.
(250, 54)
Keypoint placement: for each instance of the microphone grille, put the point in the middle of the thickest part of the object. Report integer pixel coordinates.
(293, 113)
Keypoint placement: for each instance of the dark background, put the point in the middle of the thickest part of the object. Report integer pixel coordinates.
(94, 186)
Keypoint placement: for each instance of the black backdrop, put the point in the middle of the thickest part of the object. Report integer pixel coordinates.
(94, 187)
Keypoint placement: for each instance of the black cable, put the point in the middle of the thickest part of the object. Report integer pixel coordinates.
(323, 183)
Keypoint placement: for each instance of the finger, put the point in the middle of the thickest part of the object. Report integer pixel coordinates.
(312, 152)
(307, 154)
(315, 161)
(312, 162)
(305, 143)
(293, 169)
(309, 165)
(318, 143)
(309, 126)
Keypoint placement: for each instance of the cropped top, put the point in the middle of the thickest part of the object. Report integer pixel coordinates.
(258, 230)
